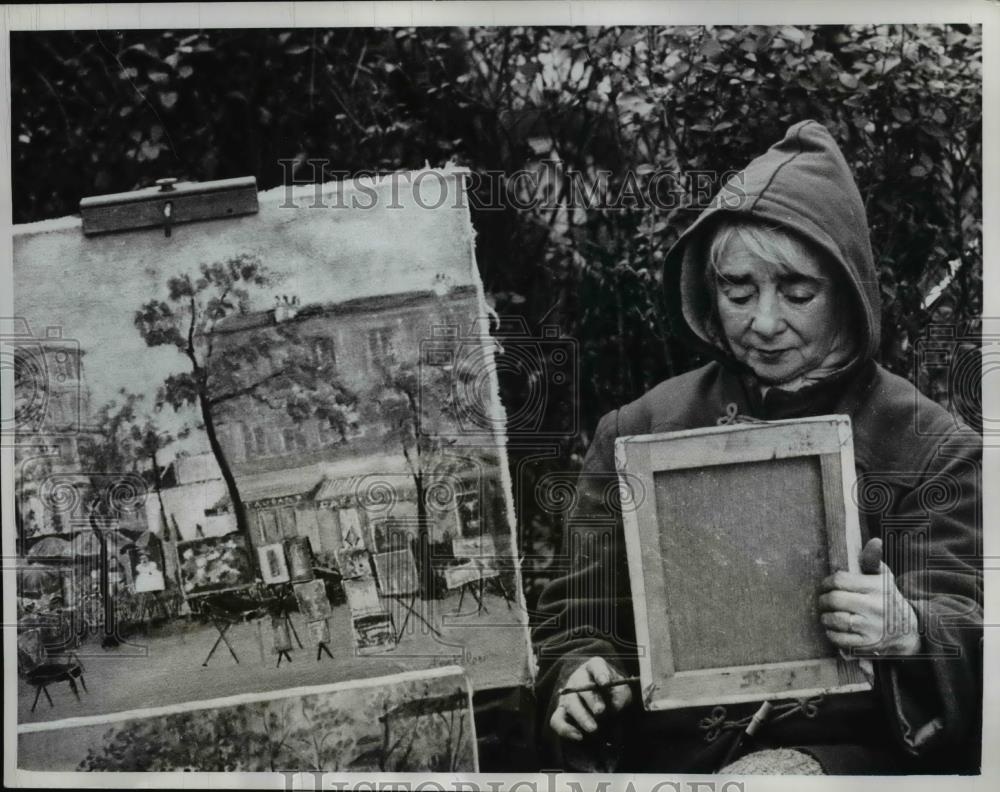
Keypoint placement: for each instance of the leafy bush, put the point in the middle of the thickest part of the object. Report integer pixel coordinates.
(112, 111)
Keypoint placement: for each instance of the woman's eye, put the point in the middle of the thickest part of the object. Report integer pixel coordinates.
(739, 297)
(799, 298)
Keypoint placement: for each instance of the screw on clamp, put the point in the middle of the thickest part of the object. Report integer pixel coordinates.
(169, 202)
(167, 185)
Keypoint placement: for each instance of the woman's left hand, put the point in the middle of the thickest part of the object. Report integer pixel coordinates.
(867, 614)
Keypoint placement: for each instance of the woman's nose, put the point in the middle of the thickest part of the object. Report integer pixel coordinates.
(767, 320)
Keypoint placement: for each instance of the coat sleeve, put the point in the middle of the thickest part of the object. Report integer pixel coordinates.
(587, 611)
(933, 543)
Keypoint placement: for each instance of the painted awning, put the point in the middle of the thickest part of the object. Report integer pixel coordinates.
(371, 489)
(339, 490)
(51, 547)
(365, 490)
(272, 493)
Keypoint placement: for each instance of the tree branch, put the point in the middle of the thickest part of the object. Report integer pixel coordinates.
(211, 333)
(245, 391)
(189, 351)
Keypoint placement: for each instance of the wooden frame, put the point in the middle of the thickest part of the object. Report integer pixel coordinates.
(639, 460)
(298, 551)
(196, 582)
(272, 563)
(313, 602)
(396, 573)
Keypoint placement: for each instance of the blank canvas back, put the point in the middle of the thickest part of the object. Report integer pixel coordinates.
(743, 547)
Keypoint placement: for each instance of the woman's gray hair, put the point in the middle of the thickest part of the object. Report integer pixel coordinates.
(769, 242)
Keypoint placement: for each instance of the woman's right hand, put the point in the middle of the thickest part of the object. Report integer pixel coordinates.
(578, 714)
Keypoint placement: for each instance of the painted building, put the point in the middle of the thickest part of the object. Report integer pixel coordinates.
(357, 338)
(52, 416)
(303, 478)
(189, 489)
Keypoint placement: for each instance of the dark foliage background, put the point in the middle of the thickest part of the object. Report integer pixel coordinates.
(100, 112)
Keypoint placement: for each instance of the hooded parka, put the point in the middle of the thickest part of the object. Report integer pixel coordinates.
(918, 487)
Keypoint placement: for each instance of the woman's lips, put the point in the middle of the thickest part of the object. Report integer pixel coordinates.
(769, 354)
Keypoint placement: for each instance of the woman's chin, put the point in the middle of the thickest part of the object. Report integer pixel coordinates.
(775, 376)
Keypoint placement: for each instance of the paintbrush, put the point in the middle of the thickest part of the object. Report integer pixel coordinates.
(594, 687)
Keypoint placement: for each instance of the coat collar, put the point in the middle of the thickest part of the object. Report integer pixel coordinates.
(839, 393)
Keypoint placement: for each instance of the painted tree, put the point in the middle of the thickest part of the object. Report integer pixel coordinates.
(127, 440)
(148, 441)
(419, 406)
(272, 364)
(118, 457)
(224, 740)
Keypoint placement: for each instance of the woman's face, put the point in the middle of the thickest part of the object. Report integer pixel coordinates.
(779, 320)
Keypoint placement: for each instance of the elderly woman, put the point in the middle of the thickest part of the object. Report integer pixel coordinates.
(776, 280)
